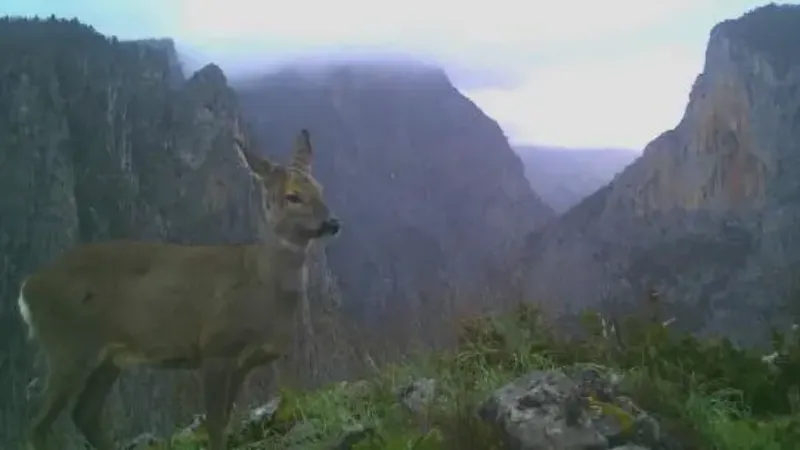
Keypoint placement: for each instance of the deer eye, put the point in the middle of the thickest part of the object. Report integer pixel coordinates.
(293, 198)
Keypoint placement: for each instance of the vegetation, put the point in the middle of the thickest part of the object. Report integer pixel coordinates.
(706, 393)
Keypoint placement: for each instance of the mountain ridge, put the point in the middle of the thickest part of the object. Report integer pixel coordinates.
(409, 134)
(705, 215)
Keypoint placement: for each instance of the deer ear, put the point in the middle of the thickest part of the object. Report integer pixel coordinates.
(261, 167)
(303, 152)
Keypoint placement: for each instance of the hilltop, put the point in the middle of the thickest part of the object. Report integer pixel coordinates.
(514, 381)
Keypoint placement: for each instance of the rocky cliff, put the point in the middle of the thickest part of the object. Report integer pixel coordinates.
(103, 139)
(708, 215)
(565, 176)
(433, 195)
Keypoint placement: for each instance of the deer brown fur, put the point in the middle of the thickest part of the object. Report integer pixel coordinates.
(223, 309)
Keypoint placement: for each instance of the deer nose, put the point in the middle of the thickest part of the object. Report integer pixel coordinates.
(331, 226)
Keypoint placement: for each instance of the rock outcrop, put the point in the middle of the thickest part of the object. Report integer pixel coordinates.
(103, 139)
(708, 215)
(581, 410)
(434, 196)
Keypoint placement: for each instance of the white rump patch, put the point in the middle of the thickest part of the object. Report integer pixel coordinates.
(25, 311)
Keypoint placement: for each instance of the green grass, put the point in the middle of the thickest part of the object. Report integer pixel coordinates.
(707, 394)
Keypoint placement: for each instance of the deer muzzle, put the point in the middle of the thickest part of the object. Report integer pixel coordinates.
(330, 227)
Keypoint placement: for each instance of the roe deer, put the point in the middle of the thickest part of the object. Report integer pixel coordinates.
(222, 309)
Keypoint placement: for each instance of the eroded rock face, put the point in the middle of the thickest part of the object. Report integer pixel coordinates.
(582, 410)
(707, 215)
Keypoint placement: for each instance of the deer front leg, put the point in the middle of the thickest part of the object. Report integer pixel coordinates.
(88, 409)
(234, 386)
(221, 383)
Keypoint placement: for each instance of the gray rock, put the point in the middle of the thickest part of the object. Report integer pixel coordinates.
(258, 420)
(352, 436)
(556, 411)
(418, 395)
(265, 412)
(194, 426)
(142, 442)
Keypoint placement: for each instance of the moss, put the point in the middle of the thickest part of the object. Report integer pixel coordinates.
(626, 419)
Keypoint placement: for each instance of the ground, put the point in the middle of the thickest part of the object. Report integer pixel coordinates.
(705, 394)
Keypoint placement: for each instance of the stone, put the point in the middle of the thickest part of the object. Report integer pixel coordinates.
(418, 395)
(580, 410)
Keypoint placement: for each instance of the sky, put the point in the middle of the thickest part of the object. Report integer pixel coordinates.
(583, 73)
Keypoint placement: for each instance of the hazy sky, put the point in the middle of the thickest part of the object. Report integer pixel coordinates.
(589, 73)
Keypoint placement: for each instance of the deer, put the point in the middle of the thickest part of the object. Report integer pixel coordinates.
(223, 310)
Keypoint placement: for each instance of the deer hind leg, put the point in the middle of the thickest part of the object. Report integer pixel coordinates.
(65, 376)
(88, 409)
(221, 383)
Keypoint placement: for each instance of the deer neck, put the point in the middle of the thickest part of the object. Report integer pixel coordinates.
(288, 246)
(282, 264)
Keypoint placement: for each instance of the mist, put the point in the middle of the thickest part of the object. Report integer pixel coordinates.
(579, 74)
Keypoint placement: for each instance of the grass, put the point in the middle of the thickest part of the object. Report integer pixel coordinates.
(707, 394)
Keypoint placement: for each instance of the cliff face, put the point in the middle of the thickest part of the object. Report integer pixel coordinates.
(433, 195)
(102, 139)
(708, 215)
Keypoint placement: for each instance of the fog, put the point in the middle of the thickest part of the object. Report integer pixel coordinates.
(573, 74)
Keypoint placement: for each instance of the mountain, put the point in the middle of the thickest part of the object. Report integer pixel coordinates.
(434, 197)
(708, 215)
(565, 176)
(102, 139)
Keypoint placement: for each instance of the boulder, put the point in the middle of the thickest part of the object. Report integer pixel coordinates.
(581, 410)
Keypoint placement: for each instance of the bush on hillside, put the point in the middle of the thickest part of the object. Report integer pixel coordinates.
(709, 393)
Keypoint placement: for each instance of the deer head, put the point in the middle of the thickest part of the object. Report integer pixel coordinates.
(295, 206)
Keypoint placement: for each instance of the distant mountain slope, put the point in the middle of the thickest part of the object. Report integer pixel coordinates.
(434, 197)
(709, 214)
(565, 176)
